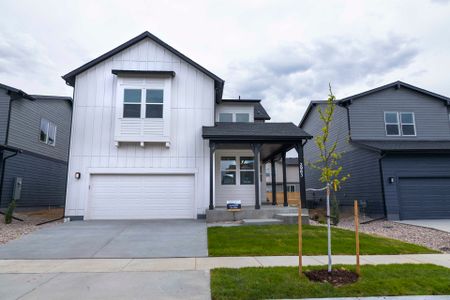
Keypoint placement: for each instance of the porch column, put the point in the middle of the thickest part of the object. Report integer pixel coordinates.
(256, 153)
(283, 160)
(301, 173)
(274, 183)
(212, 149)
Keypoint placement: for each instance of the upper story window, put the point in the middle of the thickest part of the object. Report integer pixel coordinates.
(234, 117)
(225, 117)
(134, 106)
(400, 124)
(242, 117)
(48, 132)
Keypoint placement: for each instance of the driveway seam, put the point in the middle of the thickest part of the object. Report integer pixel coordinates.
(109, 241)
(38, 286)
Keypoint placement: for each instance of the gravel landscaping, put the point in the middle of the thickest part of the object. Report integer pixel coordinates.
(431, 238)
(16, 229)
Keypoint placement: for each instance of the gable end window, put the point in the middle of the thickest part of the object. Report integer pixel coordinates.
(391, 123)
(408, 125)
(135, 107)
(242, 117)
(225, 117)
(400, 124)
(47, 133)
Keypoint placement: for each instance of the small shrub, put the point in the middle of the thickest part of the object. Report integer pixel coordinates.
(10, 211)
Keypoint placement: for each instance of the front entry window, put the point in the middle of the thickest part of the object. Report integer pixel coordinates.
(247, 170)
(228, 170)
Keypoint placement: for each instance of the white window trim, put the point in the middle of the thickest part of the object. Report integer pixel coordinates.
(238, 170)
(140, 136)
(47, 132)
(389, 123)
(246, 170)
(236, 182)
(413, 123)
(226, 113)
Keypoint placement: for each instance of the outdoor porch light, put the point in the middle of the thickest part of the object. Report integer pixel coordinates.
(391, 179)
(77, 175)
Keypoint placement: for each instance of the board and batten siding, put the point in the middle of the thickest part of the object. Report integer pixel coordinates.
(367, 115)
(364, 183)
(92, 142)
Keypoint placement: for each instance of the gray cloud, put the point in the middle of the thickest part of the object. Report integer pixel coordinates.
(303, 71)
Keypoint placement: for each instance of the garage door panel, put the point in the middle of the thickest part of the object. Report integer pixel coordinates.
(424, 197)
(141, 197)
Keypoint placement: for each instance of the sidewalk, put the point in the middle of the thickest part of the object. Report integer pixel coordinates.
(203, 263)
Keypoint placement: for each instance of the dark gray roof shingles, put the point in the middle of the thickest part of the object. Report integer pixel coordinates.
(404, 146)
(260, 112)
(254, 131)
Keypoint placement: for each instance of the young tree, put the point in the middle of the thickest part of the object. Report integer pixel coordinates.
(328, 162)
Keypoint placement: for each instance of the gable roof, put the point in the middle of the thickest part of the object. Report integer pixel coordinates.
(260, 112)
(397, 85)
(218, 82)
(21, 93)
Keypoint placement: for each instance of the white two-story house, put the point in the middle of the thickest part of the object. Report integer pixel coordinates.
(152, 137)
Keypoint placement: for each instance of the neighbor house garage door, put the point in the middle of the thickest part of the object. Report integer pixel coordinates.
(141, 197)
(424, 197)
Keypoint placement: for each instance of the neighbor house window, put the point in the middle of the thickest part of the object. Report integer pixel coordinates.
(228, 170)
(132, 99)
(241, 117)
(408, 125)
(291, 188)
(154, 103)
(225, 117)
(391, 123)
(247, 170)
(48, 132)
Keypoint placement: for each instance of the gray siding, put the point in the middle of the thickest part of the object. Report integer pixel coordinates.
(4, 107)
(411, 166)
(44, 181)
(364, 183)
(25, 123)
(367, 114)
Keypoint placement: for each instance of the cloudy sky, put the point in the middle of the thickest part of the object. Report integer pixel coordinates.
(285, 52)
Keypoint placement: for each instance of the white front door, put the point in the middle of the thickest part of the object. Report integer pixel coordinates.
(124, 196)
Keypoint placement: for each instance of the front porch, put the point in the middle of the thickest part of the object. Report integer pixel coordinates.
(238, 153)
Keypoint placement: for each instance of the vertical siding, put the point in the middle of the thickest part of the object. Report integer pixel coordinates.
(361, 164)
(367, 114)
(25, 126)
(399, 165)
(92, 143)
(43, 181)
(4, 108)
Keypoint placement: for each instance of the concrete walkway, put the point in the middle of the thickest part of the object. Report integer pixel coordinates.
(203, 263)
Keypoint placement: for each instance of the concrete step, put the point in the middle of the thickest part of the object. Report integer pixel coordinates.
(292, 218)
(261, 221)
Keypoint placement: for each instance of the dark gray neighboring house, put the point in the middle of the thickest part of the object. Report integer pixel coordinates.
(34, 146)
(396, 144)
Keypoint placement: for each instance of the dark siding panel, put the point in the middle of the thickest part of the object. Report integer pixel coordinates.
(25, 123)
(44, 181)
(367, 114)
(418, 166)
(4, 107)
(362, 165)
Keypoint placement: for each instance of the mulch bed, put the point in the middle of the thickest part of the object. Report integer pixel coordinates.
(336, 277)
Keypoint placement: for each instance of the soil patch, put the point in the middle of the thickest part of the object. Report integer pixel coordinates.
(336, 277)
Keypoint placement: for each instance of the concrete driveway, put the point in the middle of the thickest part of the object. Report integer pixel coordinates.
(439, 224)
(112, 239)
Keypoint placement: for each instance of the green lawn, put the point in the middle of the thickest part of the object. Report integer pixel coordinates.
(284, 282)
(283, 240)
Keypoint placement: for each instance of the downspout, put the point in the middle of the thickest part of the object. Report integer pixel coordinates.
(383, 154)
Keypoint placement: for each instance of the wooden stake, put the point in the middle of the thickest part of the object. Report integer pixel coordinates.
(357, 236)
(300, 248)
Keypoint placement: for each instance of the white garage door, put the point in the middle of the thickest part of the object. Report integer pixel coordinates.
(141, 197)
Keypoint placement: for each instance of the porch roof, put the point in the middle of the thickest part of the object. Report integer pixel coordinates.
(252, 132)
